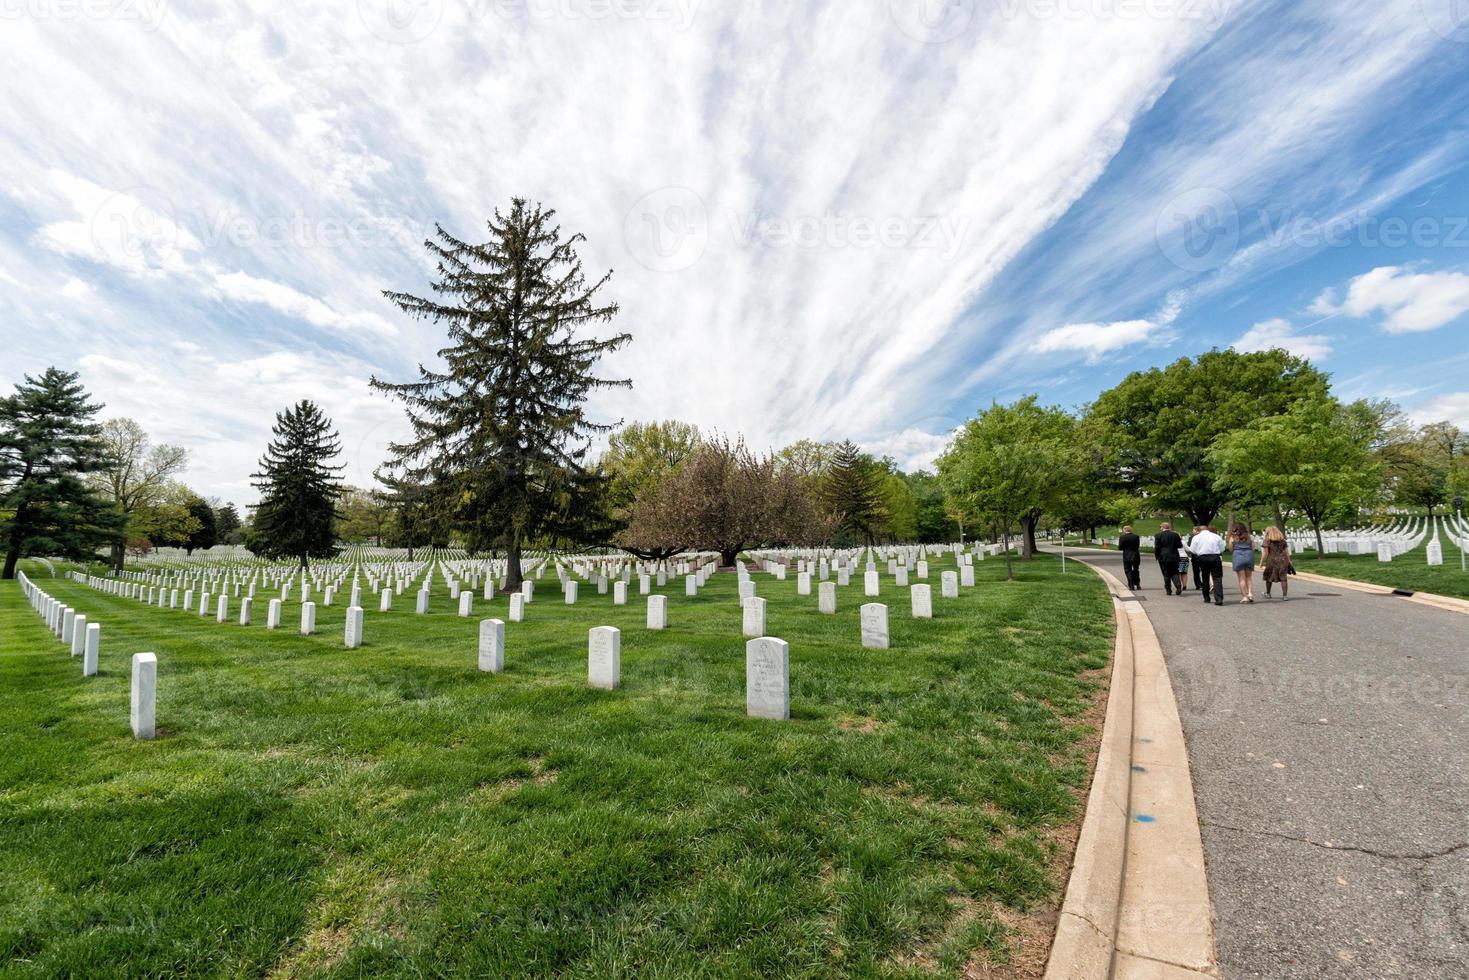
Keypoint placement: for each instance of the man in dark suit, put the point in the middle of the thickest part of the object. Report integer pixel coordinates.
(1167, 547)
(1132, 557)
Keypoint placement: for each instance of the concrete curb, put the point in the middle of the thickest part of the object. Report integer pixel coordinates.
(1137, 903)
(1445, 602)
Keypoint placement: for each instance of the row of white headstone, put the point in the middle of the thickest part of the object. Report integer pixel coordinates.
(767, 664)
(85, 640)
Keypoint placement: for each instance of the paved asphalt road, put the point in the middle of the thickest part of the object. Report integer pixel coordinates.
(1329, 742)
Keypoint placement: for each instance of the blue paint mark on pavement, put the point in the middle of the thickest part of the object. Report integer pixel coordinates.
(1143, 818)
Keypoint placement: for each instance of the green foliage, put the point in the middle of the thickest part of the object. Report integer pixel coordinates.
(640, 455)
(1160, 424)
(853, 488)
(296, 516)
(1309, 459)
(227, 523)
(931, 520)
(49, 447)
(1011, 464)
(500, 436)
(136, 478)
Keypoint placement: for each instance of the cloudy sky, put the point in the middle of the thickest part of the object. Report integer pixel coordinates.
(858, 218)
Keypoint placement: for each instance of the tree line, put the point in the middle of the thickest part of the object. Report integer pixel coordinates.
(501, 453)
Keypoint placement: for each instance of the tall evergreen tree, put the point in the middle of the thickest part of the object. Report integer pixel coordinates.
(501, 434)
(48, 446)
(853, 488)
(296, 516)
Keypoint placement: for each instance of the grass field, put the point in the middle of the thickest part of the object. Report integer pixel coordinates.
(1407, 571)
(310, 810)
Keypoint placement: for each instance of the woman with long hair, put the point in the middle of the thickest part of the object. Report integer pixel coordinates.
(1275, 552)
(1242, 553)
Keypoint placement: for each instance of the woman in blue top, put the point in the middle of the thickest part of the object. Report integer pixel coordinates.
(1242, 552)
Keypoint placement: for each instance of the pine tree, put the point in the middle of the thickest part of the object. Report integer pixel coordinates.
(501, 434)
(853, 488)
(296, 516)
(48, 445)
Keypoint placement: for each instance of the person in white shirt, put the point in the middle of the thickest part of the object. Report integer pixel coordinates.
(1207, 547)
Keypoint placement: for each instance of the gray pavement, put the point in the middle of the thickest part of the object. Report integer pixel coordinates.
(1329, 742)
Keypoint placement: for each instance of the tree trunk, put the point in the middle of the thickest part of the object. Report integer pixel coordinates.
(1320, 544)
(1027, 539)
(12, 554)
(118, 554)
(728, 556)
(1009, 564)
(514, 575)
(1279, 517)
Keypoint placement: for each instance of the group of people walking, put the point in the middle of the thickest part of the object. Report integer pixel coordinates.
(1204, 551)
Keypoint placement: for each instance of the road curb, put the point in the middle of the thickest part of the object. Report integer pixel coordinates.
(1137, 902)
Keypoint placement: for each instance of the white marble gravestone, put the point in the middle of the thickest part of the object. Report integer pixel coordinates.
(754, 615)
(922, 602)
(466, 603)
(966, 576)
(657, 612)
(144, 694)
(826, 597)
(1384, 552)
(245, 605)
(619, 593)
(604, 657)
(422, 605)
(222, 609)
(950, 585)
(690, 585)
(492, 645)
(385, 600)
(273, 615)
(803, 583)
(1435, 553)
(875, 626)
(517, 607)
(308, 618)
(571, 592)
(768, 678)
(91, 646)
(78, 636)
(869, 583)
(352, 632)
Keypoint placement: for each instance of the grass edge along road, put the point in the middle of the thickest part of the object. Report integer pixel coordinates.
(312, 810)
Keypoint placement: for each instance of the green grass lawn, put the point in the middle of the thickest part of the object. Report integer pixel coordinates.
(310, 810)
(1409, 571)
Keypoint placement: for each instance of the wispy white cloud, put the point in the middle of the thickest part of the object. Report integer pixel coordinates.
(245, 288)
(1450, 407)
(1096, 339)
(1407, 301)
(1281, 334)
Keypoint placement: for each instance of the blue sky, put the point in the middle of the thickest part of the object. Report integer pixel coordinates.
(831, 220)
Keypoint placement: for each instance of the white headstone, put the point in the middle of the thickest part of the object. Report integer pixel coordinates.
(754, 619)
(517, 607)
(619, 593)
(922, 602)
(91, 645)
(352, 634)
(950, 585)
(803, 583)
(690, 585)
(144, 694)
(245, 605)
(78, 636)
(1435, 553)
(645, 585)
(222, 609)
(657, 612)
(768, 678)
(922, 568)
(604, 657)
(826, 597)
(1384, 552)
(385, 600)
(308, 618)
(571, 592)
(273, 615)
(466, 603)
(68, 623)
(869, 583)
(875, 626)
(492, 645)
(422, 605)
(966, 576)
